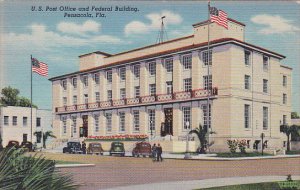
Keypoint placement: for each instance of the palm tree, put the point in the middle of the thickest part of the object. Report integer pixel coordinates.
(30, 172)
(45, 136)
(288, 130)
(201, 133)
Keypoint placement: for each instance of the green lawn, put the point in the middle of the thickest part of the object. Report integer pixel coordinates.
(255, 186)
(293, 152)
(236, 155)
(66, 162)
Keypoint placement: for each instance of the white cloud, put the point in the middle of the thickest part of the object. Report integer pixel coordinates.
(81, 29)
(138, 27)
(274, 24)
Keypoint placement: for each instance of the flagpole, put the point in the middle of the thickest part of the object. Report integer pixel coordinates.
(208, 78)
(31, 98)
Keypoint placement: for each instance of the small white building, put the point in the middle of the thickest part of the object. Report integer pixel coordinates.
(15, 124)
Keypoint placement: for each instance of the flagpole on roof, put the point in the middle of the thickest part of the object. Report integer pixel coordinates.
(31, 98)
(208, 78)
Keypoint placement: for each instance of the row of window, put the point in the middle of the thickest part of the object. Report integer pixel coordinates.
(247, 117)
(247, 55)
(168, 63)
(15, 121)
(187, 86)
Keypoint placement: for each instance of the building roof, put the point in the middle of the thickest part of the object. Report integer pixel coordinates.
(96, 52)
(213, 43)
(206, 21)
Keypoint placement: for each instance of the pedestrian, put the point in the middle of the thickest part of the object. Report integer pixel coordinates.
(154, 152)
(159, 152)
(83, 148)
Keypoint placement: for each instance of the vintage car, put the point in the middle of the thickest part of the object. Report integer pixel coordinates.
(95, 148)
(27, 146)
(117, 148)
(142, 149)
(13, 144)
(73, 147)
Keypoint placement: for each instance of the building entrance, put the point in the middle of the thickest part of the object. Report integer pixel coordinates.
(84, 128)
(167, 127)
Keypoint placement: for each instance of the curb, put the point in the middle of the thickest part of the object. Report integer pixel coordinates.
(73, 165)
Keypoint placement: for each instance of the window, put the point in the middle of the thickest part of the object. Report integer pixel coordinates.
(169, 65)
(187, 84)
(265, 86)
(137, 91)
(151, 119)
(38, 122)
(25, 121)
(64, 84)
(247, 57)
(96, 78)
(74, 124)
(247, 82)
(265, 118)
(265, 63)
(169, 87)
(64, 125)
(109, 76)
(96, 119)
(136, 71)
(97, 96)
(74, 82)
(122, 121)
(152, 89)
(38, 137)
(64, 101)
(85, 81)
(86, 98)
(247, 115)
(284, 81)
(108, 122)
(187, 61)
(6, 120)
(152, 68)
(74, 100)
(206, 120)
(122, 93)
(186, 117)
(136, 120)
(122, 73)
(109, 95)
(207, 82)
(284, 98)
(284, 122)
(205, 57)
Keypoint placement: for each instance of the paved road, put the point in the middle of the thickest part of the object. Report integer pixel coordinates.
(117, 171)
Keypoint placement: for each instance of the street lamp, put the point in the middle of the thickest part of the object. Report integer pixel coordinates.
(187, 154)
(262, 135)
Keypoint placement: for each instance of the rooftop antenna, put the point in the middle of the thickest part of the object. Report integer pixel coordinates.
(162, 33)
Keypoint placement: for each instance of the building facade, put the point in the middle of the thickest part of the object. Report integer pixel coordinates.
(15, 124)
(237, 89)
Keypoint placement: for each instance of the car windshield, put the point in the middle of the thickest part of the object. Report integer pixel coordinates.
(145, 145)
(96, 145)
(74, 144)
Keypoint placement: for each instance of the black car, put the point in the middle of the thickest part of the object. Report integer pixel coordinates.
(13, 144)
(27, 146)
(117, 148)
(73, 147)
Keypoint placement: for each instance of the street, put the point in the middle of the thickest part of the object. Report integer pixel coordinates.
(123, 171)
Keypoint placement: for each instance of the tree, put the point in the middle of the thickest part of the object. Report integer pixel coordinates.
(25, 102)
(9, 96)
(45, 136)
(201, 133)
(288, 130)
(31, 172)
(1, 146)
(294, 115)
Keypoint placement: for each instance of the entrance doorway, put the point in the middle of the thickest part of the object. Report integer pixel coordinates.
(25, 137)
(168, 124)
(84, 128)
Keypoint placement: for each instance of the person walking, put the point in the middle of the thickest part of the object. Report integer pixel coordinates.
(154, 152)
(159, 152)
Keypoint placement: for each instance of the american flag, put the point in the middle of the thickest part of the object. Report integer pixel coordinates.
(39, 67)
(219, 17)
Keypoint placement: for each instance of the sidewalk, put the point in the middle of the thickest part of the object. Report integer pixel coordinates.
(206, 183)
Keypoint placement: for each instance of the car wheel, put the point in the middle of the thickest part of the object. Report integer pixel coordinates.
(122, 154)
(110, 154)
(133, 155)
(144, 156)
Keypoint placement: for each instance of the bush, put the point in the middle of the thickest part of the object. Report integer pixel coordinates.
(242, 146)
(233, 144)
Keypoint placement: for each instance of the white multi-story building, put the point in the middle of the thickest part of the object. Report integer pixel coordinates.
(15, 124)
(163, 89)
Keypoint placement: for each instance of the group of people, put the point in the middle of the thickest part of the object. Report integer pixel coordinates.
(156, 152)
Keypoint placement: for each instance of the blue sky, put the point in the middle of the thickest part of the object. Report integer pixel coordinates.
(58, 41)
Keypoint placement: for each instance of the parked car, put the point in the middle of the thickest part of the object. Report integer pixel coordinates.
(142, 149)
(117, 148)
(73, 147)
(27, 145)
(95, 148)
(16, 144)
